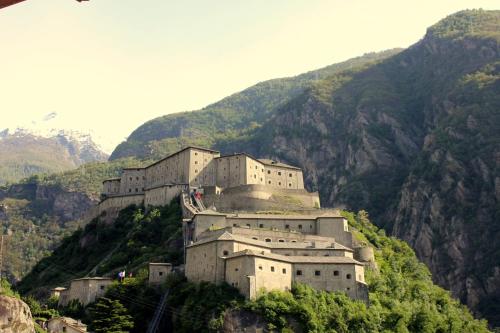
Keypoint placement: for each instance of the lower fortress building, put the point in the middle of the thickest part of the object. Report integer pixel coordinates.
(231, 241)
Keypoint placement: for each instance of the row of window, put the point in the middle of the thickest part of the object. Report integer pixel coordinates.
(299, 272)
(287, 226)
(318, 273)
(136, 190)
(137, 178)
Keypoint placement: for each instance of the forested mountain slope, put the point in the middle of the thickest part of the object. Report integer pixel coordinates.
(413, 138)
(38, 212)
(229, 117)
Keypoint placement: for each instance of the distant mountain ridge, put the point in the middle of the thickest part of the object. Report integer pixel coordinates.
(413, 137)
(25, 152)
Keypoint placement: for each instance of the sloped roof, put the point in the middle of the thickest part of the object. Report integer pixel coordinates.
(296, 259)
(270, 162)
(227, 236)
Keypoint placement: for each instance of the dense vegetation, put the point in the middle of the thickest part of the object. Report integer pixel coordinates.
(131, 241)
(30, 238)
(39, 211)
(402, 299)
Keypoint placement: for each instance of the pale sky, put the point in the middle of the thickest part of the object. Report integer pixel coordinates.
(111, 65)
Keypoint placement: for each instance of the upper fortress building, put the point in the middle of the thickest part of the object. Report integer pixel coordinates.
(224, 180)
(248, 237)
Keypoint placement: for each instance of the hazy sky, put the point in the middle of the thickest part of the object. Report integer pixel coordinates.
(111, 65)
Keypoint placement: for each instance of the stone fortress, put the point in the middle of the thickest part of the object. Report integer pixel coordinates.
(262, 231)
(224, 181)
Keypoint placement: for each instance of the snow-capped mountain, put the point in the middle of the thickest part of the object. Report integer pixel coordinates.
(43, 147)
(53, 125)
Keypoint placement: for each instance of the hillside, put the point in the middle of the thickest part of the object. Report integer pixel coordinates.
(413, 137)
(23, 153)
(403, 297)
(229, 117)
(38, 212)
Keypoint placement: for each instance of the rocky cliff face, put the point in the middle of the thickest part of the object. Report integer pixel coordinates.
(15, 316)
(413, 138)
(415, 141)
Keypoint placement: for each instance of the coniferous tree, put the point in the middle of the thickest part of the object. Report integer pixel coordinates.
(110, 316)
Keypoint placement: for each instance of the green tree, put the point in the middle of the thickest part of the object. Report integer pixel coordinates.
(110, 316)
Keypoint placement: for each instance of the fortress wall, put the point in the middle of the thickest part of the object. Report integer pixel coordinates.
(276, 235)
(262, 197)
(284, 178)
(314, 252)
(238, 271)
(336, 227)
(255, 172)
(202, 167)
(327, 280)
(302, 225)
(204, 262)
(231, 170)
(111, 187)
(171, 170)
(162, 195)
(114, 204)
(272, 274)
(133, 181)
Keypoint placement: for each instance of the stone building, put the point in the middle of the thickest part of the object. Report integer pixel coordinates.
(327, 224)
(229, 182)
(158, 272)
(256, 259)
(252, 252)
(66, 325)
(85, 290)
(56, 292)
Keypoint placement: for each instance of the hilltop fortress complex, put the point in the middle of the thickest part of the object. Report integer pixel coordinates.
(248, 237)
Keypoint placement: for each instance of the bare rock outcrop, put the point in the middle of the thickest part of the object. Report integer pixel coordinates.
(15, 316)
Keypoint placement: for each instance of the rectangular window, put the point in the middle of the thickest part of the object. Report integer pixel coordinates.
(290, 175)
(272, 268)
(279, 173)
(317, 273)
(299, 272)
(284, 270)
(268, 172)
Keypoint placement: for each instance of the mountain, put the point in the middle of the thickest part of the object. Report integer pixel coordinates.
(28, 151)
(39, 212)
(411, 136)
(402, 295)
(230, 117)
